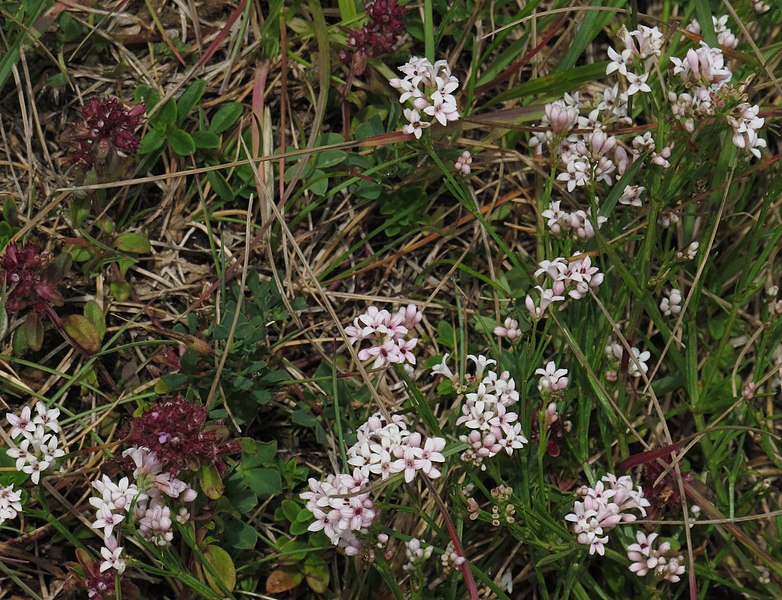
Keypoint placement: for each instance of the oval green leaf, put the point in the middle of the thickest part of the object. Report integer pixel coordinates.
(223, 567)
(82, 333)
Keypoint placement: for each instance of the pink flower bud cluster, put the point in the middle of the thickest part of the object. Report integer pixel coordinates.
(509, 329)
(463, 163)
(671, 303)
(591, 160)
(387, 333)
(38, 450)
(577, 223)
(662, 561)
(760, 6)
(487, 411)
(704, 67)
(450, 559)
(416, 554)
(429, 88)
(602, 508)
(725, 37)
(573, 278)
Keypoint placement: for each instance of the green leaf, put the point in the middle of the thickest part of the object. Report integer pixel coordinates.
(206, 140)
(211, 482)
(33, 331)
(304, 418)
(182, 142)
(95, 315)
(82, 332)
(705, 16)
(133, 242)
(220, 185)
(166, 116)
(281, 580)
(223, 566)
(189, 98)
(320, 183)
(147, 95)
(120, 290)
(225, 117)
(80, 210)
(316, 570)
(290, 509)
(263, 482)
(239, 534)
(153, 140)
(329, 158)
(19, 344)
(299, 528)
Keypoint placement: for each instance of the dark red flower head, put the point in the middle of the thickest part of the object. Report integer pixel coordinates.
(28, 278)
(108, 127)
(99, 584)
(666, 492)
(176, 431)
(378, 36)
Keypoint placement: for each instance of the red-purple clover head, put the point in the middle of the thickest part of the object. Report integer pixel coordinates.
(177, 432)
(30, 277)
(108, 126)
(377, 37)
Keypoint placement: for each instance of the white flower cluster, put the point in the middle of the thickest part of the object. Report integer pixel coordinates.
(416, 554)
(603, 507)
(10, 503)
(379, 443)
(671, 303)
(746, 123)
(725, 36)
(114, 501)
(614, 352)
(340, 509)
(39, 449)
(339, 506)
(643, 47)
(577, 222)
(387, 333)
(704, 73)
(660, 561)
(486, 411)
(591, 157)
(429, 88)
(574, 278)
(552, 381)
